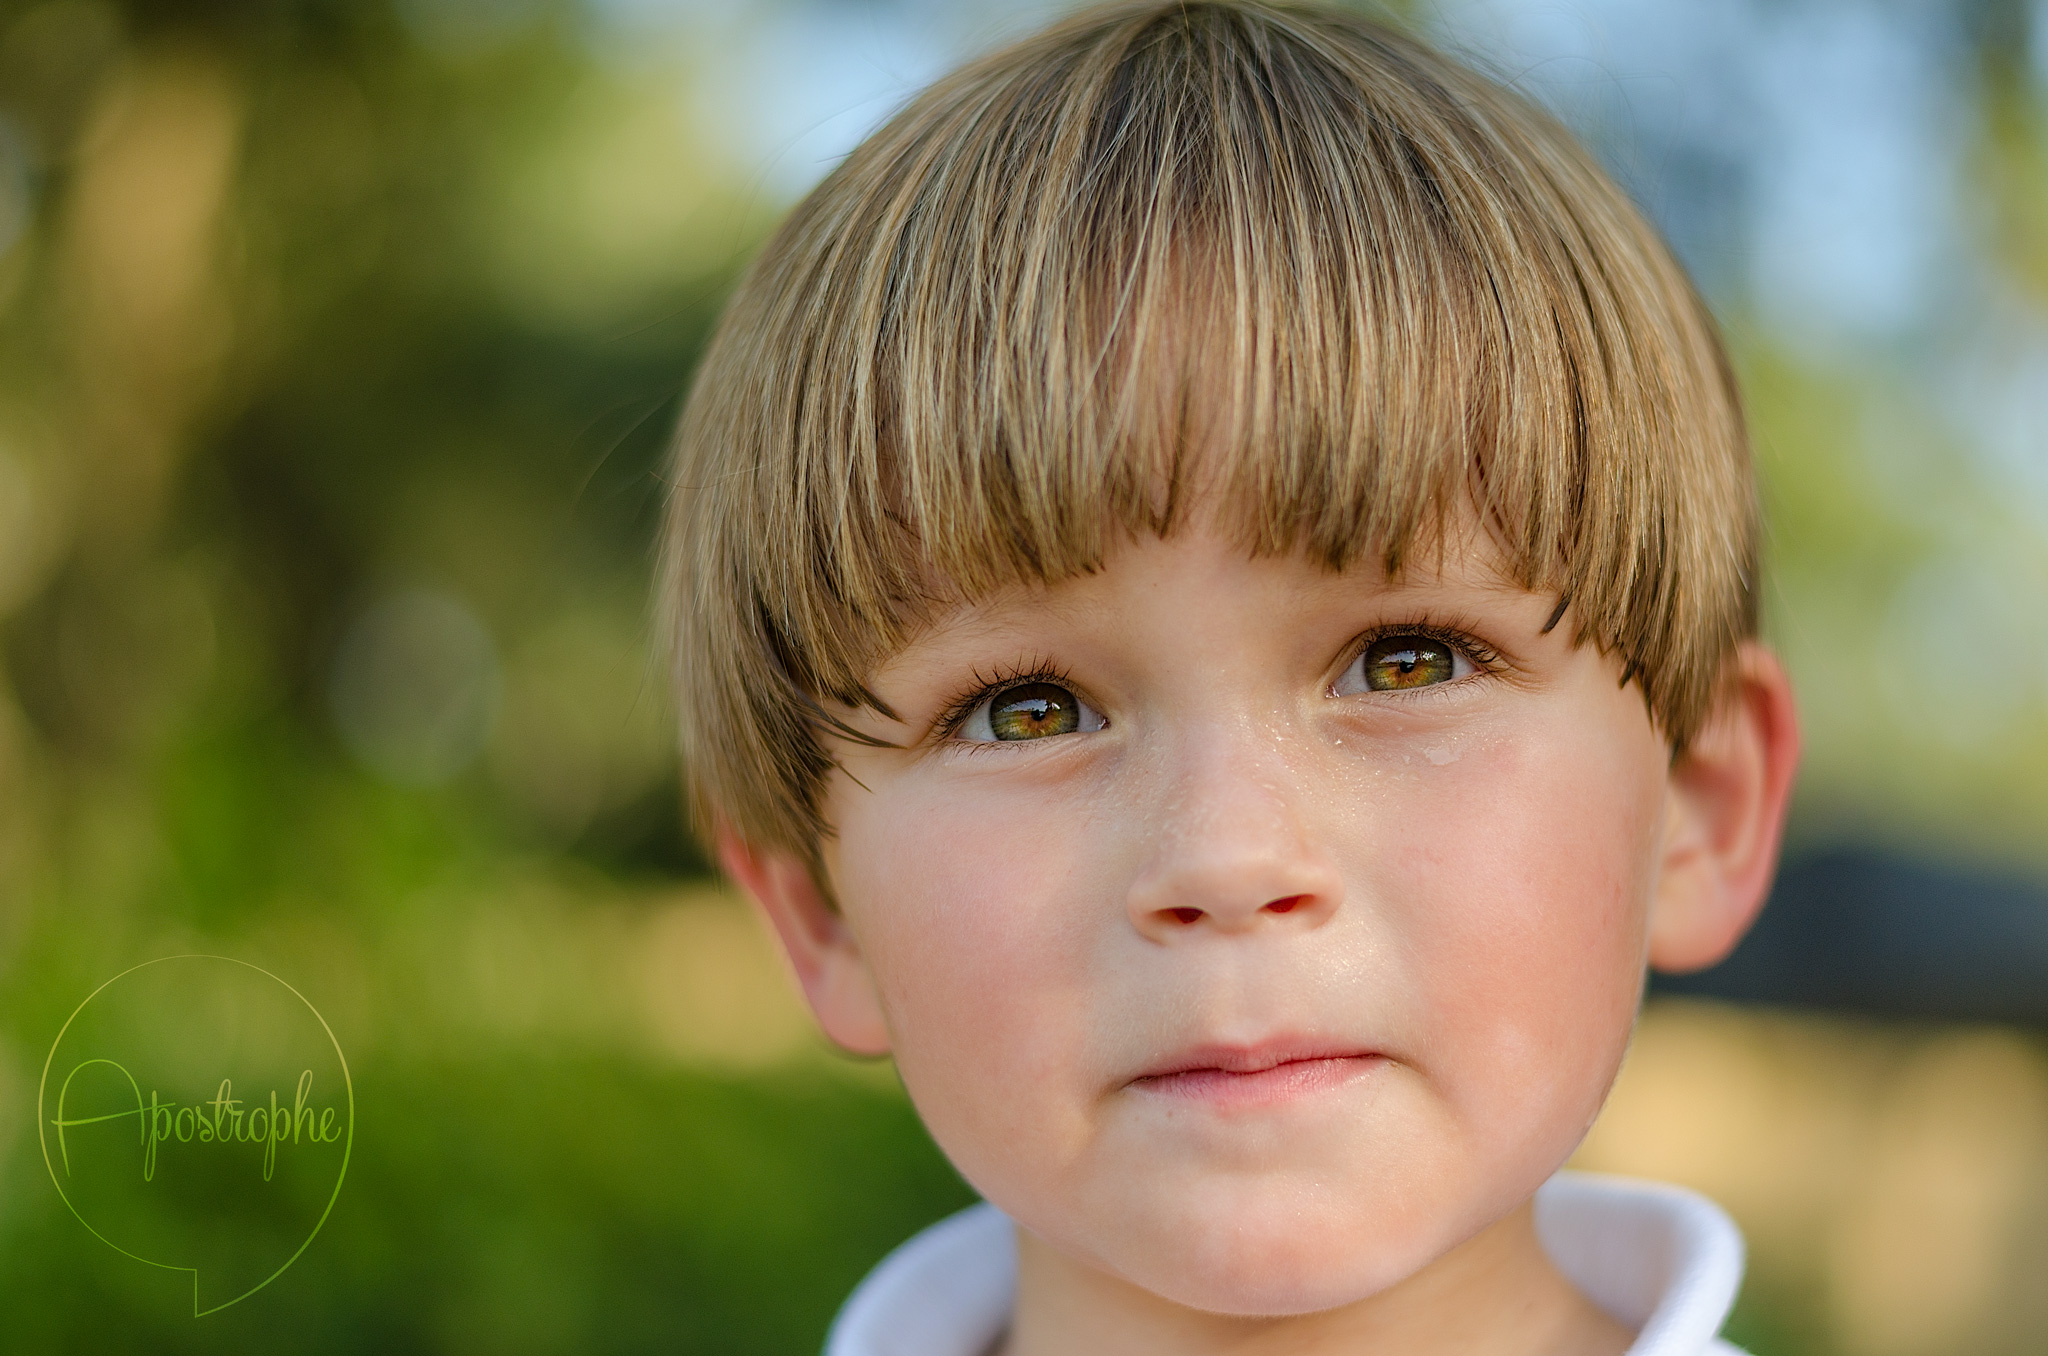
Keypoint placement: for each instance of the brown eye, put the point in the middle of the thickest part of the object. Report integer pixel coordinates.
(1033, 711)
(1398, 663)
(1029, 710)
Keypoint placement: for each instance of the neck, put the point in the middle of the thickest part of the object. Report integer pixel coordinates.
(1496, 1293)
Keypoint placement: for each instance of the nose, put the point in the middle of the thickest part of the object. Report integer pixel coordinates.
(1235, 848)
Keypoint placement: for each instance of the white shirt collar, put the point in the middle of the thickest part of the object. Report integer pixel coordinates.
(1661, 1259)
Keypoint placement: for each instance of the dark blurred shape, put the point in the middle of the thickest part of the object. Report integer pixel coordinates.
(1869, 931)
(647, 838)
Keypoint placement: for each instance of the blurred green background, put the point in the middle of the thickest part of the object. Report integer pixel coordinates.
(339, 342)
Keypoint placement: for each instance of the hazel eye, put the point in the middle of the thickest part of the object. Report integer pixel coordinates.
(1030, 711)
(1401, 663)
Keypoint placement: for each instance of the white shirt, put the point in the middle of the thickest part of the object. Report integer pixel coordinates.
(1664, 1261)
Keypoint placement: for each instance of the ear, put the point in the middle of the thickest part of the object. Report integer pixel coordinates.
(1725, 817)
(822, 951)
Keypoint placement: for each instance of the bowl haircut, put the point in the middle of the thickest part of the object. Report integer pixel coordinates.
(1289, 270)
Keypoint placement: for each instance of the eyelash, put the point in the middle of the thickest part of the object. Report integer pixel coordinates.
(1483, 656)
(1458, 635)
(988, 685)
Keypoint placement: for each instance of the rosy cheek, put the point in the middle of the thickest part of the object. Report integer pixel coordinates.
(1524, 865)
(957, 905)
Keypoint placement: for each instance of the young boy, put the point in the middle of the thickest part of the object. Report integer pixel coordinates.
(1213, 563)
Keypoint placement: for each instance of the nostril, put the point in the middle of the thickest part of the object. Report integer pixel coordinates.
(1185, 915)
(1285, 905)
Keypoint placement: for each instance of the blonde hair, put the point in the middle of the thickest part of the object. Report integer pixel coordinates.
(1373, 288)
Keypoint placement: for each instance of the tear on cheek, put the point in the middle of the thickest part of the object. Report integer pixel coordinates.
(1440, 754)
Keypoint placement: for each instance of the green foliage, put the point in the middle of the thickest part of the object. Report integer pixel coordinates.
(534, 1204)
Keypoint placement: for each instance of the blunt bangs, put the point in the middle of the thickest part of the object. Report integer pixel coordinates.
(1289, 268)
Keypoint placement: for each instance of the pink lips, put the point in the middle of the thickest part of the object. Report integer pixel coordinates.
(1256, 1075)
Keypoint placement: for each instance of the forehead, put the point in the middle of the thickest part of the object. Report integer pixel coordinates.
(1205, 569)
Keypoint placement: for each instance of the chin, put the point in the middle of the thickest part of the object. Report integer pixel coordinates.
(1273, 1253)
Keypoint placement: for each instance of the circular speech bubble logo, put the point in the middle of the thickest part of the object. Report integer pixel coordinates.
(196, 1113)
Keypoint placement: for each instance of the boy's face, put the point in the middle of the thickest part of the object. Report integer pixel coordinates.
(1270, 931)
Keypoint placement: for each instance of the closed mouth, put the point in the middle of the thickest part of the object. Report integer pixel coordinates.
(1242, 1075)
